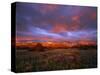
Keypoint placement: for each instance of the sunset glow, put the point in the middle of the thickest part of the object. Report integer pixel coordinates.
(44, 23)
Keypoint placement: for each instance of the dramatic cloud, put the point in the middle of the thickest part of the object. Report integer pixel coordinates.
(48, 22)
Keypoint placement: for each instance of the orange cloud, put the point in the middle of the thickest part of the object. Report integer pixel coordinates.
(74, 26)
(75, 18)
(45, 38)
(24, 38)
(59, 28)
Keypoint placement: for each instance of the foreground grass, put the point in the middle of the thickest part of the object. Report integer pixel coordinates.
(55, 59)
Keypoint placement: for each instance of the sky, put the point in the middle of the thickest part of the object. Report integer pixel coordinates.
(49, 22)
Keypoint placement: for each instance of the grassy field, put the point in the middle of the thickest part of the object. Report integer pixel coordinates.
(55, 59)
